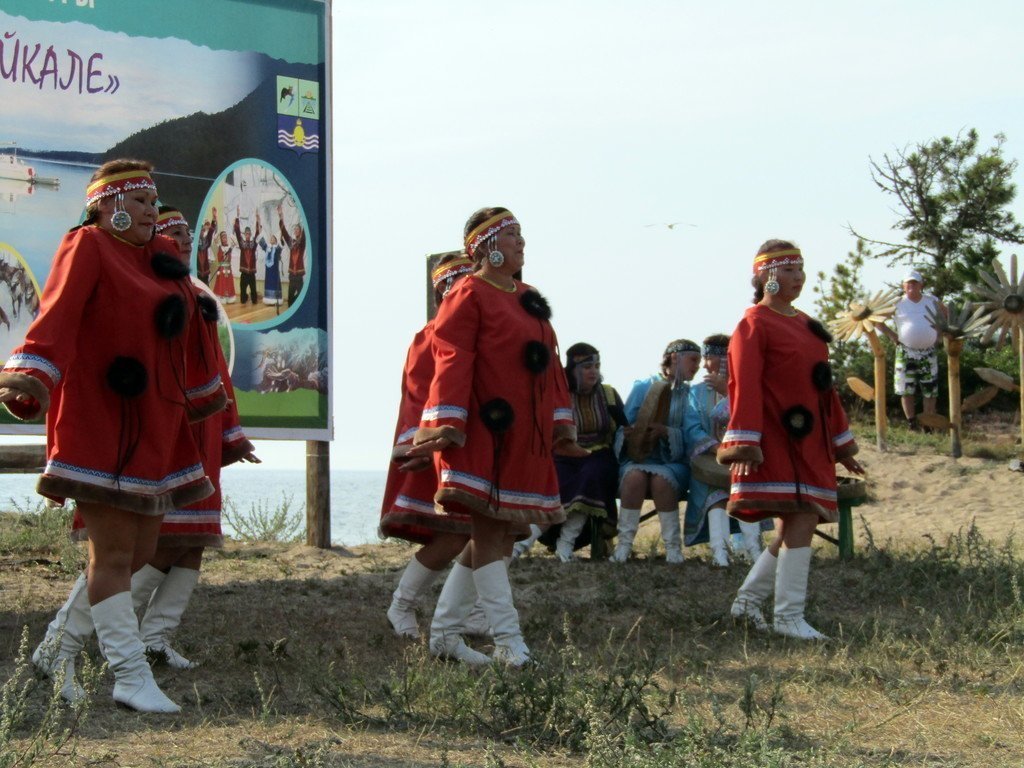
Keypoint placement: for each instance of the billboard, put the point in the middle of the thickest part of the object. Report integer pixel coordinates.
(230, 102)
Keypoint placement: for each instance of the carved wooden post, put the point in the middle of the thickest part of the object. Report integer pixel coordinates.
(881, 420)
(318, 494)
(1020, 373)
(953, 349)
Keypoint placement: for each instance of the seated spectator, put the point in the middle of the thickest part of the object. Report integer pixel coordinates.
(706, 518)
(588, 470)
(659, 441)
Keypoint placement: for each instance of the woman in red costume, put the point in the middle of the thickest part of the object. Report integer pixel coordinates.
(497, 407)
(787, 431)
(103, 361)
(161, 589)
(224, 280)
(408, 511)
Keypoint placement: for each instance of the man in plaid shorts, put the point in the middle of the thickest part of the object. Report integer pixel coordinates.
(917, 364)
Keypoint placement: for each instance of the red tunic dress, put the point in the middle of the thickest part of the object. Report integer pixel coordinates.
(216, 430)
(496, 363)
(408, 511)
(224, 281)
(102, 362)
(786, 414)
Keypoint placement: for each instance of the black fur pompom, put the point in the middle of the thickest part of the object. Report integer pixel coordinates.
(208, 307)
(168, 266)
(798, 421)
(170, 317)
(536, 356)
(821, 376)
(127, 376)
(819, 330)
(497, 415)
(535, 304)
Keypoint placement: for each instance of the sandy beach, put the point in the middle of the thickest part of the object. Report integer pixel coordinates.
(913, 495)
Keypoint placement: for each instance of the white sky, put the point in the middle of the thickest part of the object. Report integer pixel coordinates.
(592, 120)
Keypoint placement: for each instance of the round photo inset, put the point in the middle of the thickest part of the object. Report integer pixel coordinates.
(19, 299)
(251, 246)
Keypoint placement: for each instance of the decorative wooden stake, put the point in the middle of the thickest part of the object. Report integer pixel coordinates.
(953, 349)
(1020, 374)
(862, 317)
(881, 420)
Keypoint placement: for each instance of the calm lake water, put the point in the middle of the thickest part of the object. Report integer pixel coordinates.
(355, 496)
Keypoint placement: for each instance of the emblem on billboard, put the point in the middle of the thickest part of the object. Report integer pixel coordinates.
(298, 114)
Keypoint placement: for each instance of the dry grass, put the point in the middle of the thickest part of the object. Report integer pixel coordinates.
(299, 668)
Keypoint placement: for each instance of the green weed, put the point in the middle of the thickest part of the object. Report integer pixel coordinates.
(264, 522)
(34, 734)
(40, 529)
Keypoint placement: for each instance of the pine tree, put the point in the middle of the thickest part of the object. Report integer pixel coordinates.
(953, 206)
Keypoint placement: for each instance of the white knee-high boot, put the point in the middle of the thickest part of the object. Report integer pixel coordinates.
(163, 615)
(416, 579)
(751, 533)
(672, 536)
(144, 584)
(495, 592)
(520, 548)
(755, 590)
(118, 633)
(65, 637)
(453, 607)
(629, 522)
(567, 536)
(476, 623)
(791, 595)
(718, 536)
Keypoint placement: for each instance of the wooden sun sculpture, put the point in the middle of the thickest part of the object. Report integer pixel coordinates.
(1005, 300)
(861, 319)
(960, 324)
(862, 316)
(1004, 297)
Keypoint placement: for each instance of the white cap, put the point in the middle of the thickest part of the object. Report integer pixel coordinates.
(912, 274)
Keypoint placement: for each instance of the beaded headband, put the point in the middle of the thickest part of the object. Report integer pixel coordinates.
(118, 183)
(682, 346)
(773, 259)
(169, 219)
(457, 266)
(715, 350)
(486, 229)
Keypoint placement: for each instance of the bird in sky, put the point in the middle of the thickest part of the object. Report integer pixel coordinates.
(673, 225)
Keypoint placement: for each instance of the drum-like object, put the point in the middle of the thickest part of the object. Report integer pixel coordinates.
(654, 410)
(851, 487)
(706, 469)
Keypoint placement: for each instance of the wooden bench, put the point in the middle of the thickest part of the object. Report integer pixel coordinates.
(22, 459)
(850, 491)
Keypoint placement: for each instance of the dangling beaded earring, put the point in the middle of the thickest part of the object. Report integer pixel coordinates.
(121, 219)
(772, 286)
(496, 258)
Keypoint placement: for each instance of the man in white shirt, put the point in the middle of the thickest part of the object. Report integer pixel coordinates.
(917, 364)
